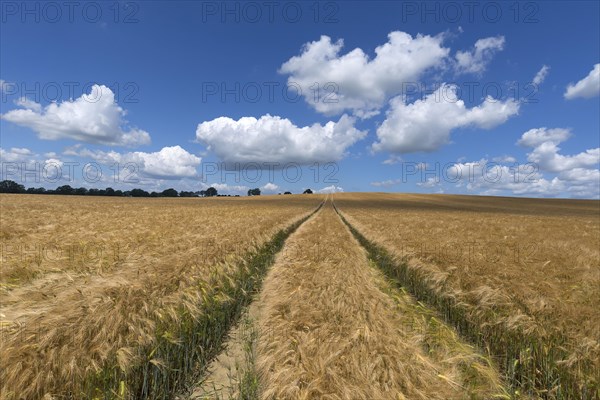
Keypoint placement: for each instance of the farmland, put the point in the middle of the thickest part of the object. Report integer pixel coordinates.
(102, 297)
(519, 276)
(333, 327)
(370, 296)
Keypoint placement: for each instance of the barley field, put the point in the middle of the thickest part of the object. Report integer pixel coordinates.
(333, 328)
(105, 297)
(345, 296)
(520, 277)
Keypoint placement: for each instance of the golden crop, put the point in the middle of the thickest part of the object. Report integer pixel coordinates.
(392, 297)
(521, 277)
(331, 327)
(108, 296)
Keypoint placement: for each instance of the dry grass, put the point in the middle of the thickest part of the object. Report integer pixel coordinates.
(519, 276)
(332, 328)
(110, 324)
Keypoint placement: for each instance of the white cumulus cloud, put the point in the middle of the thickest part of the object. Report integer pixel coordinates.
(29, 104)
(331, 189)
(487, 178)
(354, 81)
(91, 118)
(548, 173)
(490, 178)
(5, 86)
(475, 61)
(168, 163)
(224, 188)
(15, 154)
(535, 137)
(541, 75)
(425, 125)
(586, 88)
(272, 139)
(28, 168)
(270, 187)
(505, 159)
(431, 182)
(545, 152)
(386, 183)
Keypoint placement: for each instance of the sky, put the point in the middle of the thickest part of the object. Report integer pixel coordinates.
(486, 98)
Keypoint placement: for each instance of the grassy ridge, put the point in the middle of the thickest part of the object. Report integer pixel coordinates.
(532, 364)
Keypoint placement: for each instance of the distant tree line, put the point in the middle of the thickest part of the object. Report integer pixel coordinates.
(8, 186)
(307, 191)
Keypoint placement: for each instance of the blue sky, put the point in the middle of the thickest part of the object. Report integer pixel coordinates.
(500, 99)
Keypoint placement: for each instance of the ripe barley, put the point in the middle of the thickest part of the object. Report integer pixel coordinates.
(520, 277)
(329, 331)
(137, 316)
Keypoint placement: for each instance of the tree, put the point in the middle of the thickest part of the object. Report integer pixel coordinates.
(139, 193)
(110, 191)
(96, 192)
(201, 193)
(254, 192)
(39, 190)
(183, 193)
(308, 191)
(11, 187)
(288, 193)
(81, 191)
(170, 193)
(211, 191)
(65, 189)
